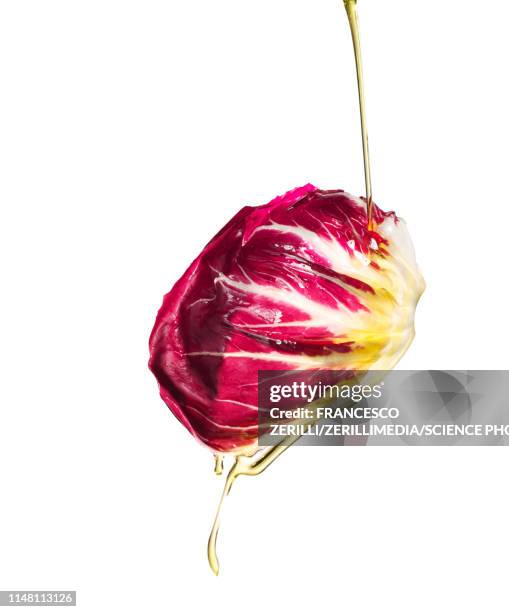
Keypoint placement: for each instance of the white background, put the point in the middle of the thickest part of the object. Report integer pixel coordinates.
(130, 132)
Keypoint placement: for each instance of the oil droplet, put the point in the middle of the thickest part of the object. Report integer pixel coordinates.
(218, 464)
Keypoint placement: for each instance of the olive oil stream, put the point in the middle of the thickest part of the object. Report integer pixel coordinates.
(259, 461)
(351, 11)
(247, 465)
